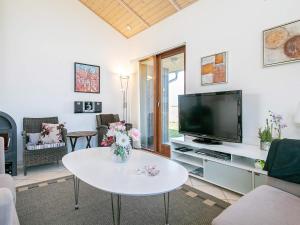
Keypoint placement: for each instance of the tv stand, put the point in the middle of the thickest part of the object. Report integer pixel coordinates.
(207, 141)
(235, 170)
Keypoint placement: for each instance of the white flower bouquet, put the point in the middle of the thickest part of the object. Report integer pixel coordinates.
(120, 140)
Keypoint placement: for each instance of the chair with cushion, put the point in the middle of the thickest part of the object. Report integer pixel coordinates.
(8, 214)
(103, 122)
(39, 154)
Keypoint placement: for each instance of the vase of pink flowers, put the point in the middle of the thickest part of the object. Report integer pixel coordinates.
(120, 140)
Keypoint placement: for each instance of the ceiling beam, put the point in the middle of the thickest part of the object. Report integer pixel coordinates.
(176, 6)
(129, 9)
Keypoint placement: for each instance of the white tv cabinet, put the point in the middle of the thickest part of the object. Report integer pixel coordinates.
(238, 174)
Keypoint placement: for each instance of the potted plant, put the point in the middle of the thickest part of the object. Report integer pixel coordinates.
(265, 136)
(259, 164)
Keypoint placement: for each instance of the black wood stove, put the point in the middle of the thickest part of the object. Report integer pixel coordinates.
(8, 130)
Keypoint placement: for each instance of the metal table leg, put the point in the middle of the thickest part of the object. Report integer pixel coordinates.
(73, 144)
(116, 211)
(167, 207)
(76, 191)
(89, 138)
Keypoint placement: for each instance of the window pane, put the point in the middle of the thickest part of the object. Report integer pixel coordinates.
(147, 104)
(172, 80)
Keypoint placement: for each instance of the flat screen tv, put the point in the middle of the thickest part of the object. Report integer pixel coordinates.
(211, 117)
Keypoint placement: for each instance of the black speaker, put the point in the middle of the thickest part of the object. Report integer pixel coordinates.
(87, 107)
(98, 107)
(78, 107)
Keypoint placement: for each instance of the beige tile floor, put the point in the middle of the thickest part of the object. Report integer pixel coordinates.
(218, 192)
(53, 171)
(40, 173)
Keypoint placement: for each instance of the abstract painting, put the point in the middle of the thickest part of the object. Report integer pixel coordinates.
(214, 69)
(282, 44)
(87, 78)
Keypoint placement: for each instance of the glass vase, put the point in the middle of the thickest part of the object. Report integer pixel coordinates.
(120, 154)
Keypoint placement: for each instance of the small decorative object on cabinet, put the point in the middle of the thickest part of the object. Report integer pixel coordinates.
(282, 44)
(259, 164)
(120, 141)
(214, 69)
(87, 78)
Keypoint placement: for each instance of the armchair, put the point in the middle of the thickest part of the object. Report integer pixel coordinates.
(8, 214)
(41, 156)
(103, 121)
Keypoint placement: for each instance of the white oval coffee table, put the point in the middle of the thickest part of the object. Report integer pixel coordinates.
(95, 167)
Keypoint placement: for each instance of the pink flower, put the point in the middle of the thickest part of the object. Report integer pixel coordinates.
(104, 144)
(107, 141)
(120, 127)
(111, 132)
(134, 134)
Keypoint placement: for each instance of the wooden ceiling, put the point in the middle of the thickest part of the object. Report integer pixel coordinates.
(130, 17)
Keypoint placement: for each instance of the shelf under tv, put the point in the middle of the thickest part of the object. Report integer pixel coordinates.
(237, 173)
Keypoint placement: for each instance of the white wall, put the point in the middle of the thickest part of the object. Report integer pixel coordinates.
(39, 43)
(212, 26)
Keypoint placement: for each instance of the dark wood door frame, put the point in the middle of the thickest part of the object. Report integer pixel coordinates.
(158, 145)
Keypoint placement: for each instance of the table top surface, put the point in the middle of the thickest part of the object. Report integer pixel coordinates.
(81, 134)
(96, 167)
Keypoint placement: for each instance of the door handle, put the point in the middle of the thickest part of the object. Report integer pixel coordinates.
(158, 104)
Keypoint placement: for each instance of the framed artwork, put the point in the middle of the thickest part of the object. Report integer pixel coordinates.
(87, 78)
(281, 44)
(214, 69)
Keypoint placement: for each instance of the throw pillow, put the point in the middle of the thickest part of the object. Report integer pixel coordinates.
(34, 138)
(51, 133)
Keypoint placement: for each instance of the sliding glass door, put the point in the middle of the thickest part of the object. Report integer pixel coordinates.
(162, 79)
(172, 85)
(147, 103)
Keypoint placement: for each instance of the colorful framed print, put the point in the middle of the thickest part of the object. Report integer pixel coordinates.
(214, 69)
(281, 44)
(87, 78)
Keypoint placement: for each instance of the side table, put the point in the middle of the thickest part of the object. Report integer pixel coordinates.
(73, 136)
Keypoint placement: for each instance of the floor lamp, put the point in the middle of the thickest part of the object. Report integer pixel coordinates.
(124, 88)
